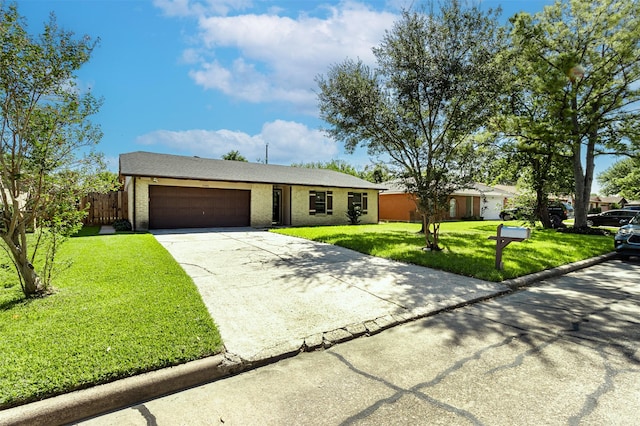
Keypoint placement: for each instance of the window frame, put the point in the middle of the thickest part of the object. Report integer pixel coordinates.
(363, 202)
(326, 203)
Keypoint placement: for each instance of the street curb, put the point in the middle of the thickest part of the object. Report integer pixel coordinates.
(73, 406)
(94, 401)
(526, 280)
(100, 399)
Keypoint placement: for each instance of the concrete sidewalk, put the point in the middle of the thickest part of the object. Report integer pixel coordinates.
(272, 297)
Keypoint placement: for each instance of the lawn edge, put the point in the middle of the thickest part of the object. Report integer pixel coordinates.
(525, 280)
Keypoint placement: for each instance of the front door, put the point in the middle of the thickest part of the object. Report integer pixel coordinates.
(277, 207)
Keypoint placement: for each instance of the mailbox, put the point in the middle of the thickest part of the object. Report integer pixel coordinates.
(506, 235)
(514, 232)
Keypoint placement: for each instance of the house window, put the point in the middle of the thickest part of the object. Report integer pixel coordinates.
(453, 208)
(320, 202)
(358, 199)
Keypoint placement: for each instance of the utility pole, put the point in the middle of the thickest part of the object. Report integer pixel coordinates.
(266, 161)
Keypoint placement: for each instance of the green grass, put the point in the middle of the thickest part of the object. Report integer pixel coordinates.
(467, 249)
(122, 306)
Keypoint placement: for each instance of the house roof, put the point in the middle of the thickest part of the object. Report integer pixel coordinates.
(150, 164)
(615, 199)
(479, 189)
(510, 189)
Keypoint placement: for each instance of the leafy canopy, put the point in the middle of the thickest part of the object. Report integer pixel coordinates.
(46, 161)
(578, 64)
(433, 88)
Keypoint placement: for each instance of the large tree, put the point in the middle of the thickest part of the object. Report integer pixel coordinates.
(43, 131)
(433, 88)
(582, 63)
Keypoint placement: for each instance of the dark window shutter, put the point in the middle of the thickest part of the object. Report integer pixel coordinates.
(365, 203)
(329, 202)
(312, 202)
(349, 200)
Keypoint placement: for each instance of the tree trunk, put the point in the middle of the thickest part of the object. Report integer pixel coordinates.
(427, 232)
(29, 279)
(436, 236)
(583, 192)
(542, 209)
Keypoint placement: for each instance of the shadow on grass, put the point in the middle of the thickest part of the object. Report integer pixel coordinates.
(11, 302)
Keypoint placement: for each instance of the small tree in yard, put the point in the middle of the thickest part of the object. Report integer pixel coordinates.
(433, 89)
(43, 129)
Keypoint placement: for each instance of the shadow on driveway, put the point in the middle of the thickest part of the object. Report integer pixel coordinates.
(272, 294)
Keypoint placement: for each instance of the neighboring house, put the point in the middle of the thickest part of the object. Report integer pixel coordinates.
(609, 203)
(171, 191)
(480, 201)
(606, 203)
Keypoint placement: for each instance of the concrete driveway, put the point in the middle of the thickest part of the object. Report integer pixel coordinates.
(272, 295)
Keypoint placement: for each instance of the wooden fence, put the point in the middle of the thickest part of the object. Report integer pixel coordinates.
(104, 209)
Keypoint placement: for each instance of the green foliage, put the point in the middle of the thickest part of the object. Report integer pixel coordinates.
(435, 85)
(622, 178)
(122, 225)
(234, 156)
(335, 165)
(44, 128)
(576, 66)
(467, 248)
(125, 307)
(353, 214)
(376, 173)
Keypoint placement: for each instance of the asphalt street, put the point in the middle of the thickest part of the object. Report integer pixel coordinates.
(565, 351)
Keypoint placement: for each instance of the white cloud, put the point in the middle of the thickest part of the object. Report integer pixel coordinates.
(271, 58)
(289, 142)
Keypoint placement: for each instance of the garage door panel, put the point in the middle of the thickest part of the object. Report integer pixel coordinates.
(182, 207)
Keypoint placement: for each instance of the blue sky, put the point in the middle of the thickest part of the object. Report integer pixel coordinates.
(204, 77)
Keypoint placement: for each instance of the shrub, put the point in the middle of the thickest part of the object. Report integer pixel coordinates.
(584, 231)
(353, 214)
(122, 225)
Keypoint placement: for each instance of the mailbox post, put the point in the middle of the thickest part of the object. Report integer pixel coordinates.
(506, 235)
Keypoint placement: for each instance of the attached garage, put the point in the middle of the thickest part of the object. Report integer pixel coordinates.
(170, 191)
(184, 207)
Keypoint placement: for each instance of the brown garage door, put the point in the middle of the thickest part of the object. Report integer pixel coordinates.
(180, 207)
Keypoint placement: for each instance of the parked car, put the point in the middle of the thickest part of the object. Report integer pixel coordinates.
(636, 208)
(627, 240)
(510, 214)
(557, 213)
(610, 217)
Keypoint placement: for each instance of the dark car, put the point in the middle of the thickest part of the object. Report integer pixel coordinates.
(557, 213)
(610, 218)
(510, 214)
(627, 240)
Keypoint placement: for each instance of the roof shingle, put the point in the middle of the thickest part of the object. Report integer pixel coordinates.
(182, 167)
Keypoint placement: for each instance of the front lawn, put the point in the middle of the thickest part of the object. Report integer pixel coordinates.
(124, 306)
(467, 248)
